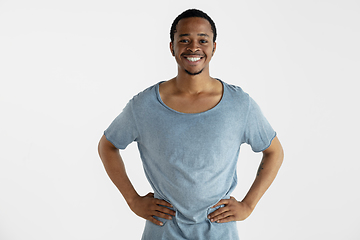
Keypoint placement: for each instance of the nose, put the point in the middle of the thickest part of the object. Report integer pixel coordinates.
(193, 47)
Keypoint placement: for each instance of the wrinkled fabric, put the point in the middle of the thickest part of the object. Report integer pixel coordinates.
(190, 159)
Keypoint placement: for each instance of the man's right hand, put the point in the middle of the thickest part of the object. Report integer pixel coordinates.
(147, 207)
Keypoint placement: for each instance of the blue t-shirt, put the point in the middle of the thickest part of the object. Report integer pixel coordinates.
(190, 159)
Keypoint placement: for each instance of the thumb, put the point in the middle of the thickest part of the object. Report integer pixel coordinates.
(150, 194)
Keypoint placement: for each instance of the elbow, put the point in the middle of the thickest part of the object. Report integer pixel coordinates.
(275, 152)
(281, 155)
(102, 145)
(100, 148)
(106, 149)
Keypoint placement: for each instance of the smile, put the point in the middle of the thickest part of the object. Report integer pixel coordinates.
(193, 59)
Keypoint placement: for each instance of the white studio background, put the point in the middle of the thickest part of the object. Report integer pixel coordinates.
(67, 68)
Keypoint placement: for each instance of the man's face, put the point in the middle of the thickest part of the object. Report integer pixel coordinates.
(193, 45)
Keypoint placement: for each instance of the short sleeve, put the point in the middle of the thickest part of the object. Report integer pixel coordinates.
(258, 131)
(122, 131)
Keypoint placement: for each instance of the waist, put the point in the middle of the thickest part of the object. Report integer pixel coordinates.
(192, 211)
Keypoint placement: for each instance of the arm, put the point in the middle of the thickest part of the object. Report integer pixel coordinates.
(115, 168)
(268, 169)
(146, 206)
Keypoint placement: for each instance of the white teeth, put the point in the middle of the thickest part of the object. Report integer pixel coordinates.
(193, 59)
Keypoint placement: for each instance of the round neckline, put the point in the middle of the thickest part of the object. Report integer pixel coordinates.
(173, 110)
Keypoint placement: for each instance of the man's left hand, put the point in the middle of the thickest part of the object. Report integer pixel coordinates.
(232, 211)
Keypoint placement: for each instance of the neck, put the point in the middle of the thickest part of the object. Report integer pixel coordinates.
(193, 84)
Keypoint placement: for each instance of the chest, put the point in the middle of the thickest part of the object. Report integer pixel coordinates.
(192, 104)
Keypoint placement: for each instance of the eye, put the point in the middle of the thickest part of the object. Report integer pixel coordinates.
(184, 41)
(203, 41)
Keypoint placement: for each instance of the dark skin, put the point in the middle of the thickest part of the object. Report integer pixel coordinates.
(191, 91)
(240, 210)
(144, 206)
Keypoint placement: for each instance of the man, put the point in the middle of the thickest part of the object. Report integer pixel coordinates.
(189, 131)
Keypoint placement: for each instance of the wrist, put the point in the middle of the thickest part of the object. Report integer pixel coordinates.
(249, 205)
(131, 199)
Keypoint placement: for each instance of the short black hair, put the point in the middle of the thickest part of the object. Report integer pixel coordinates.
(188, 14)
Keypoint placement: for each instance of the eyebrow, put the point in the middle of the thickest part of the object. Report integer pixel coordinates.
(199, 34)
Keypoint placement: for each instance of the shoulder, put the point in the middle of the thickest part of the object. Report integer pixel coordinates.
(146, 100)
(145, 95)
(236, 92)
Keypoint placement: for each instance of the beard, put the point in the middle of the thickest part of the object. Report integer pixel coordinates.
(195, 73)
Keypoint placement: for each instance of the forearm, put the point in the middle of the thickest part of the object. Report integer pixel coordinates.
(115, 169)
(266, 174)
(147, 206)
(240, 210)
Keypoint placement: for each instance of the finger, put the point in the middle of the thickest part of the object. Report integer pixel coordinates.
(221, 202)
(163, 202)
(217, 214)
(160, 207)
(165, 210)
(155, 221)
(222, 216)
(227, 219)
(162, 215)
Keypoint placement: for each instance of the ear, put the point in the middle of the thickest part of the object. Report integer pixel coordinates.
(214, 48)
(172, 49)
